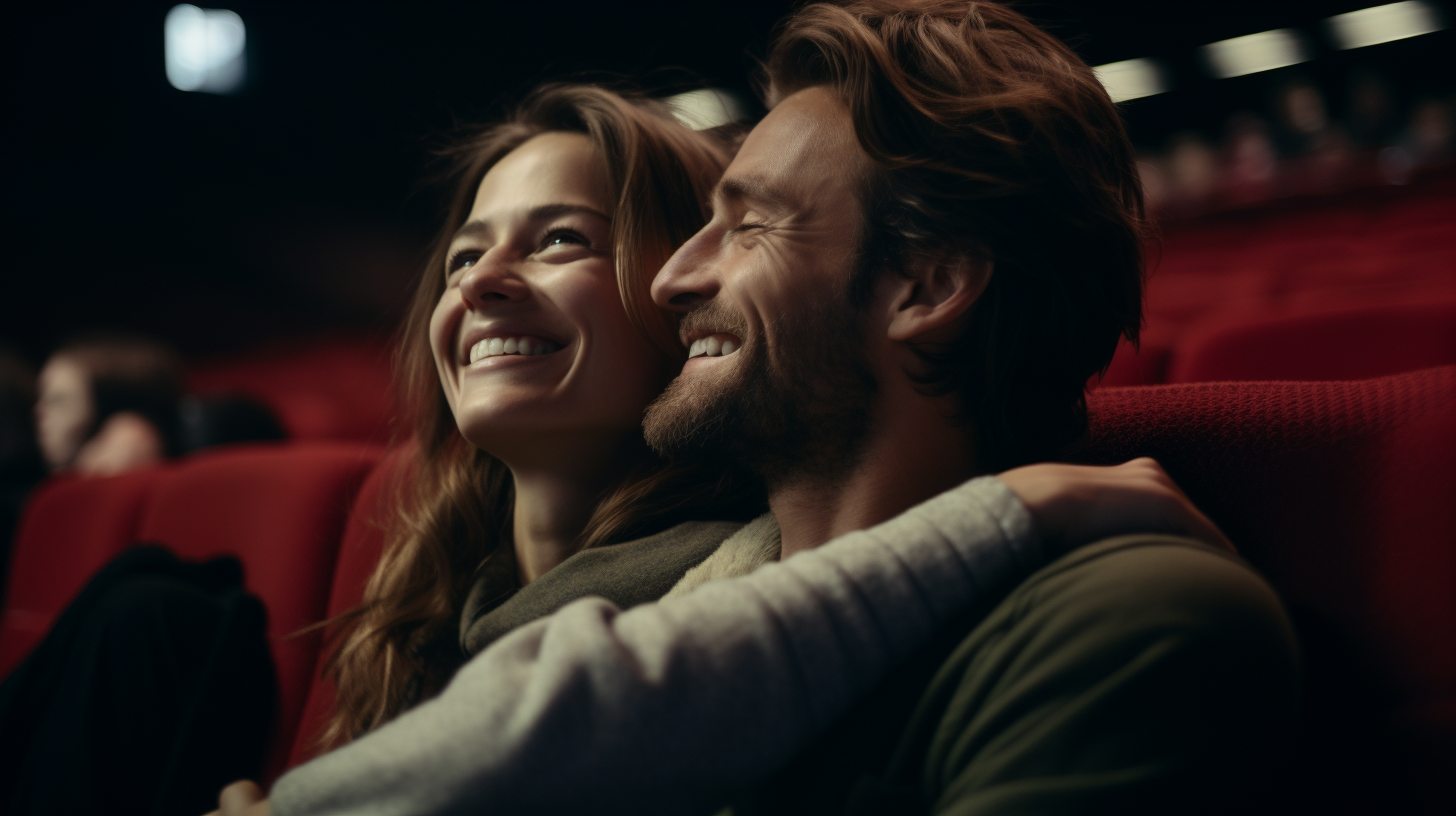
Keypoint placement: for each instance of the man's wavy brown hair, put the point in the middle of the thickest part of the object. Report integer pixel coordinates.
(402, 643)
(989, 137)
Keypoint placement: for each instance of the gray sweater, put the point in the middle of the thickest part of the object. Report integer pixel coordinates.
(673, 706)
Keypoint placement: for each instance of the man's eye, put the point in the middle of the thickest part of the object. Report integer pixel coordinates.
(748, 227)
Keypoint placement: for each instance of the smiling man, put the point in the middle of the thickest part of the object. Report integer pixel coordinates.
(915, 262)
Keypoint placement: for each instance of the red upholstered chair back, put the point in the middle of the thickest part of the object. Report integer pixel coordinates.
(70, 529)
(280, 509)
(359, 553)
(1344, 495)
(1348, 344)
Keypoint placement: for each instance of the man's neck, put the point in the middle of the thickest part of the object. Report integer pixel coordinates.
(904, 463)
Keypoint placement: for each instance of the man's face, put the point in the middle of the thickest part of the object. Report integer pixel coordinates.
(777, 378)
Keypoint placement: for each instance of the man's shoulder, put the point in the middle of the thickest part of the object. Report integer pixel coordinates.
(1117, 653)
(1128, 670)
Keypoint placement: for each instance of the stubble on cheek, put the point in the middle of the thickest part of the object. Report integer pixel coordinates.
(691, 416)
(804, 414)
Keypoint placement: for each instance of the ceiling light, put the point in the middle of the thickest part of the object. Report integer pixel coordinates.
(1383, 24)
(706, 108)
(204, 49)
(1131, 79)
(1264, 51)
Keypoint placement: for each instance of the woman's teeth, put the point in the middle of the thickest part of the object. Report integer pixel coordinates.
(524, 346)
(713, 346)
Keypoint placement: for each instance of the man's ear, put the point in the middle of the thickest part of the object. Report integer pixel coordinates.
(929, 297)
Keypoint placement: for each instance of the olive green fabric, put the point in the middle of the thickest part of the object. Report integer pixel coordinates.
(627, 574)
(1138, 674)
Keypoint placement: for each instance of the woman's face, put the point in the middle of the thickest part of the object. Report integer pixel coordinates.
(530, 337)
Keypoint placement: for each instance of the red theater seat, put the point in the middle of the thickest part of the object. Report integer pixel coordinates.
(359, 552)
(321, 388)
(1344, 494)
(280, 509)
(1347, 344)
(70, 529)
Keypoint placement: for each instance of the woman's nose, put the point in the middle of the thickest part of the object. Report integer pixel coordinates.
(491, 280)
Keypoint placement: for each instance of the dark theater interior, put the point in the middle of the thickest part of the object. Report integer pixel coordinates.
(248, 197)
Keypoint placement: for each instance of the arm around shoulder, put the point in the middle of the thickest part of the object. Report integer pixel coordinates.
(671, 707)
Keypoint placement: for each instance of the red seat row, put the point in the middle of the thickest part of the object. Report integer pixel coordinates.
(1340, 492)
(335, 387)
(1383, 252)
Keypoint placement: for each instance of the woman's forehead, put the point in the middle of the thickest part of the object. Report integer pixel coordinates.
(552, 168)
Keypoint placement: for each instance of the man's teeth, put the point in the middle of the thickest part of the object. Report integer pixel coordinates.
(524, 346)
(713, 346)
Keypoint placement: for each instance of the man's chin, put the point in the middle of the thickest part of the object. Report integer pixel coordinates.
(689, 419)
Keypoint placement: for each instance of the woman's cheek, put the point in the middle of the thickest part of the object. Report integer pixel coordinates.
(444, 322)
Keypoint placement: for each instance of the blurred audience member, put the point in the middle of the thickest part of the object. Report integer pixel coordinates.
(1193, 173)
(1429, 141)
(108, 403)
(1432, 133)
(1370, 116)
(20, 463)
(1301, 117)
(1156, 187)
(1251, 163)
(1319, 150)
(1303, 149)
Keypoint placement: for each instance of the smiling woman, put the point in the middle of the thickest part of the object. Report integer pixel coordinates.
(528, 357)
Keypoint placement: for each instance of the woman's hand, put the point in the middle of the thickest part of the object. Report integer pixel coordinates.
(242, 798)
(1077, 504)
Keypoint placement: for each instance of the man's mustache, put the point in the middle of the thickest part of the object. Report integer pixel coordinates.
(713, 316)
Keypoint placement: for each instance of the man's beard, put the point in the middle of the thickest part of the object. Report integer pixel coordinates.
(801, 413)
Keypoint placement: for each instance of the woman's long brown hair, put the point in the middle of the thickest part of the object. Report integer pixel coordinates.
(401, 644)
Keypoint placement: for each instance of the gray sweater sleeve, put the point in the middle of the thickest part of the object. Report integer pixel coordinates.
(671, 707)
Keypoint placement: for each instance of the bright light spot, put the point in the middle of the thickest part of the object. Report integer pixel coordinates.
(705, 108)
(1131, 79)
(1264, 51)
(204, 49)
(1383, 24)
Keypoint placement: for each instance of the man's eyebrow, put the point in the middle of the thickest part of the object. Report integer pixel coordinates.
(756, 189)
(544, 212)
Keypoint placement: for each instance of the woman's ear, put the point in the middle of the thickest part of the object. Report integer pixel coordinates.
(931, 295)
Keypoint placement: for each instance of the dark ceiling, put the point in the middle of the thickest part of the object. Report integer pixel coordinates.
(302, 203)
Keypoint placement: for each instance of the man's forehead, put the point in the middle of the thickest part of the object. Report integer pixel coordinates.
(804, 146)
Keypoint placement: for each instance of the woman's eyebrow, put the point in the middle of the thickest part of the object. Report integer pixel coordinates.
(543, 212)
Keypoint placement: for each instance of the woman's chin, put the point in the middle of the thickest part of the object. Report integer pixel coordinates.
(520, 430)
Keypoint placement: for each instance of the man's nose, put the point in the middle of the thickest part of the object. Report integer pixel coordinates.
(492, 279)
(689, 278)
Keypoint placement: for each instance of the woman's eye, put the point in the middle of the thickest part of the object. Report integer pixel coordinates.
(463, 259)
(559, 237)
(748, 227)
